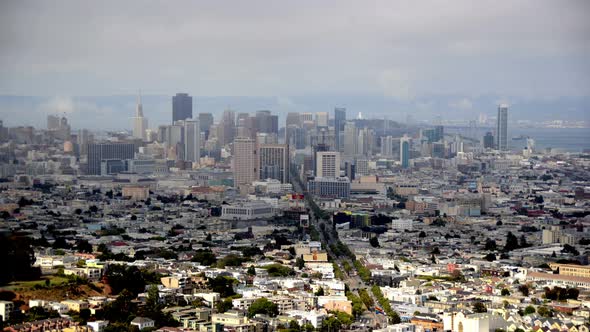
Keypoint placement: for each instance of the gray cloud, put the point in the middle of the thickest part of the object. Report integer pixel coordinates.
(398, 49)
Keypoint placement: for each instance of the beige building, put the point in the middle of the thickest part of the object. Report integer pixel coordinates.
(137, 193)
(571, 270)
(234, 321)
(244, 162)
(75, 305)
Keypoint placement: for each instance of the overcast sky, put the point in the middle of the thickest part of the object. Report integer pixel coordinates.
(402, 49)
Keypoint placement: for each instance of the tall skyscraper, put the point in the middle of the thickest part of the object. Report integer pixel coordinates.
(52, 122)
(502, 128)
(350, 139)
(387, 143)
(227, 127)
(274, 162)
(83, 140)
(328, 164)
(182, 107)
(140, 123)
(488, 140)
(205, 122)
(244, 161)
(339, 121)
(404, 151)
(192, 140)
(293, 119)
(107, 151)
(266, 122)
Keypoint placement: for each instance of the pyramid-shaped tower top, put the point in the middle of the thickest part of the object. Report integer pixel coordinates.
(139, 108)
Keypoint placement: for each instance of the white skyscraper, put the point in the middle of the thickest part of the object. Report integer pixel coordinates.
(244, 161)
(192, 140)
(140, 123)
(328, 164)
(321, 119)
(502, 128)
(387, 143)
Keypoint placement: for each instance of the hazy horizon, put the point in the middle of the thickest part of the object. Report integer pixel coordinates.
(381, 58)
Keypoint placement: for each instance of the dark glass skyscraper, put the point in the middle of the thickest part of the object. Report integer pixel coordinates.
(182, 107)
(339, 121)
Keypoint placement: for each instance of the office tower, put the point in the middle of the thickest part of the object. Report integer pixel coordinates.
(488, 140)
(266, 138)
(350, 139)
(273, 162)
(140, 123)
(192, 140)
(205, 122)
(324, 136)
(387, 143)
(328, 164)
(316, 148)
(362, 167)
(339, 121)
(162, 133)
(350, 170)
(404, 151)
(321, 119)
(245, 125)
(366, 141)
(293, 119)
(266, 122)
(52, 122)
(244, 161)
(174, 142)
(438, 150)
(439, 133)
(295, 137)
(182, 107)
(83, 140)
(226, 128)
(97, 153)
(502, 128)
(306, 117)
(329, 187)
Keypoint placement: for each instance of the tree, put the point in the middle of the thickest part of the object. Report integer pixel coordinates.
(529, 310)
(422, 235)
(263, 306)
(479, 307)
(505, 292)
(204, 257)
(511, 242)
(543, 311)
(120, 277)
(251, 270)
(225, 305)
(570, 249)
(320, 292)
(83, 246)
(490, 245)
(374, 241)
(436, 251)
(299, 263)
(222, 285)
(490, 257)
(17, 253)
(524, 290)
